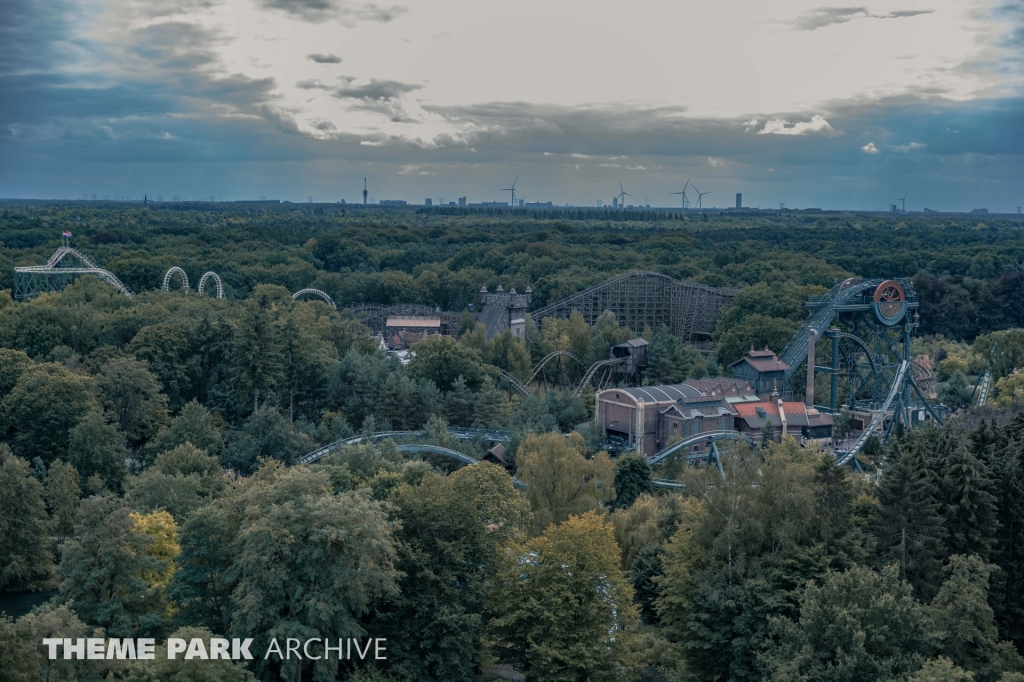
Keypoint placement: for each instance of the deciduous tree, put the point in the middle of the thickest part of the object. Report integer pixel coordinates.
(97, 449)
(130, 392)
(560, 480)
(560, 604)
(24, 543)
(39, 412)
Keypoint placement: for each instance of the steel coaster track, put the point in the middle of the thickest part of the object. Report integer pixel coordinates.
(491, 435)
(712, 436)
(90, 269)
(897, 383)
(548, 358)
(525, 392)
(315, 292)
(593, 368)
(819, 320)
(983, 396)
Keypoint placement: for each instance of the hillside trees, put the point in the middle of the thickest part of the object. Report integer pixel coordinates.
(24, 548)
(42, 408)
(283, 555)
(104, 570)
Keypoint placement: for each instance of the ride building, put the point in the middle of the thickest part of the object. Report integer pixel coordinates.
(647, 418)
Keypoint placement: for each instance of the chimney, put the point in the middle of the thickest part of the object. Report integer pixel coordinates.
(782, 418)
(809, 393)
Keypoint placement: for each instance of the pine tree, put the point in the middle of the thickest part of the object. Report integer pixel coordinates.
(833, 500)
(908, 526)
(968, 501)
(62, 498)
(257, 353)
(24, 554)
(98, 449)
(1009, 550)
(632, 479)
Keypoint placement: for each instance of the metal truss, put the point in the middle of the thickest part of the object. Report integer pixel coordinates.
(181, 275)
(58, 272)
(314, 292)
(216, 278)
(642, 299)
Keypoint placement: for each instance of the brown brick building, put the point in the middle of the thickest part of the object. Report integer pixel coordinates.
(647, 418)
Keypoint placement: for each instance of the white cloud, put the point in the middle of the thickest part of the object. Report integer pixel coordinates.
(715, 163)
(912, 147)
(777, 126)
(636, 167)
(411, 169)
(870, 148)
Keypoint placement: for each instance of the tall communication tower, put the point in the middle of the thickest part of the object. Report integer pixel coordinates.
(364, 191)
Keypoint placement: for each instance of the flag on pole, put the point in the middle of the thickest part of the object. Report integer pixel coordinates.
(66, 233)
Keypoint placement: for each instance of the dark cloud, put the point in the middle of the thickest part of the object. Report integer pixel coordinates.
(324, 58)
(826, 16)
(317, 11)
(375, 90)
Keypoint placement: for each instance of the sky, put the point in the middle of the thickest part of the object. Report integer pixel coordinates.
(786, 101)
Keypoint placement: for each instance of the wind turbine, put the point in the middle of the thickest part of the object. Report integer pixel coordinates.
(700, 195)
(904, 200)
(622, 193)
(683, 193)
(513, 190)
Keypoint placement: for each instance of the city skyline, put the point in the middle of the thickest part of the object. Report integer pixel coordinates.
(835, 108)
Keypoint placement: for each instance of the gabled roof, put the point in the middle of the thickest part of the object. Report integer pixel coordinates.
(762, 360)
(662, 394)
(721, 386)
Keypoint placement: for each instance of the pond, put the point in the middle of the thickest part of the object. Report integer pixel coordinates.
(17, 604)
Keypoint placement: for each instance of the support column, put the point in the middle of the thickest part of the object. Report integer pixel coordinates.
(907, 412)
(833, 396)
(809, 391)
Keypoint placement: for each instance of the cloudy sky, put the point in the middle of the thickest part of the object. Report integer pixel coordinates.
(783, 100)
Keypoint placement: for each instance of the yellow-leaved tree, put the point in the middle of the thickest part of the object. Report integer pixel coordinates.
(560, 479)
(560, 605)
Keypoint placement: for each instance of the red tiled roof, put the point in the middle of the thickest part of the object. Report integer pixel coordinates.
(750, 409)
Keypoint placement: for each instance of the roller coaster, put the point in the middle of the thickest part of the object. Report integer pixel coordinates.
(648, 299)
(315, 292)
(490, 435)
(869, 324)
(65, 265)
(201, 289)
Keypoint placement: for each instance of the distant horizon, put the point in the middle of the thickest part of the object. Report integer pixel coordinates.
(788, 101)
(532, 206)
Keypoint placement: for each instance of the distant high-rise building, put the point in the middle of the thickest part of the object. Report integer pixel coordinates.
(739, 199)
(462, 201)
(364, 191)
(428, 202)
(979, 211)
(615, 202)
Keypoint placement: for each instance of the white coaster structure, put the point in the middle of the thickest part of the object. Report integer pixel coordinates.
(65, 265)
(205, 278)
(315, 292)
(181, 275)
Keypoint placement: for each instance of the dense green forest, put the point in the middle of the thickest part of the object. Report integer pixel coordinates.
(149, 453)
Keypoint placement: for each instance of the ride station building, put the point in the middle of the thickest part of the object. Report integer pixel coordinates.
(647, 418)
